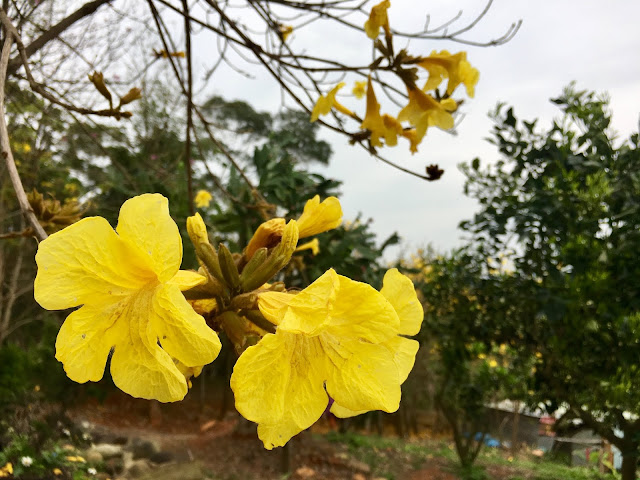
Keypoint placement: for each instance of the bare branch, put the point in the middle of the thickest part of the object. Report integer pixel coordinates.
(52, 33)
(6, 145)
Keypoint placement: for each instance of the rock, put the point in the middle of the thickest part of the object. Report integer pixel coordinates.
(108, 450)
(114, 466)
(176, 471)
(143, 448)
(93, 456)
(358, 466)
(127, 459)
(161, 457)
(305, 472)
(208, 426)
(138, 468)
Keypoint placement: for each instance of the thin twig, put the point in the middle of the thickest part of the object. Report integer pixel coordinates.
(187, 145)
(6, 146)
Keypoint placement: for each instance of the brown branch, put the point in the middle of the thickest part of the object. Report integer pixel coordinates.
(11, 293)
(205, 123)
(6, 145)
(187, 145)
(84, 11)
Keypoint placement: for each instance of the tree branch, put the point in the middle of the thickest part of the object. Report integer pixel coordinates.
(6, 145)
(84, 11)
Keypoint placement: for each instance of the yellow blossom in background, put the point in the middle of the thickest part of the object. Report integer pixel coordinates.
(412, 136)
(202, 199)
(313, 245)
(57, 472)
(6, 470)
(378, 18)
(326, 102)
(317, 217)
(424, 111)
(128, 284)
(76, 459)
(334, 338)
(359, 89)
(384, 126)
(285, 31)
(454, 67)
(493, 363)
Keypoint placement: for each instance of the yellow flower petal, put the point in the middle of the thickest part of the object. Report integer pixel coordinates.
(280, 385)
(372, 119)
(326, 102)
(86, 262)
(360, 311)
(313, 245)
(85, 340)
(377, 18)
(273, 305)
(364, 376)
(404, 352)
(186, 279)
(139, 366)
(384, 126)
(145, 224)
(342, 307)
(182, 332)
(454, 67)
(267, 235)
(319, 217)
(398, 289)
(342, 412)
(424, 111)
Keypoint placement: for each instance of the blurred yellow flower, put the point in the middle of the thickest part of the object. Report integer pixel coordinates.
(317, 217)
(76, 459)
(493, 363)
(326, 102)
(202, 199)
(359, 89)
(424, 111)
(285, 31)
(128, 284)
(378, 18)
(57, 472)
(336, 338)
(384, 126)
(454, 67)
(6, 470)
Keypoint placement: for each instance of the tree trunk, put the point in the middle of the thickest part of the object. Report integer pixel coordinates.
(629, 465)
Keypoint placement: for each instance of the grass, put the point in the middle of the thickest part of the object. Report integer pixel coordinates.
(392, 458)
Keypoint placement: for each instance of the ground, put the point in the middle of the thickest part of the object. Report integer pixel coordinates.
(228, 449)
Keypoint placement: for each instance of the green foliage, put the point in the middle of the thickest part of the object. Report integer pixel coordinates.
(44, 459)
(566, 203)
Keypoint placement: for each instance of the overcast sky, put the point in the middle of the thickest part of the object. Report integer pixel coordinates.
(593, 42)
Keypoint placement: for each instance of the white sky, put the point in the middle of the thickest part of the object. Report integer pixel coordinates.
(593, 42)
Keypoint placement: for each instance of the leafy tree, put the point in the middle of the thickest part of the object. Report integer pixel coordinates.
(473, 365)
(566, 202)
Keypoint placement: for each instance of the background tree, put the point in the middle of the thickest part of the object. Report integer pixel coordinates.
(565, 202)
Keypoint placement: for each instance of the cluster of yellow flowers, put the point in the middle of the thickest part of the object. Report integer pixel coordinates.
(337, 338)
(423, 109)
